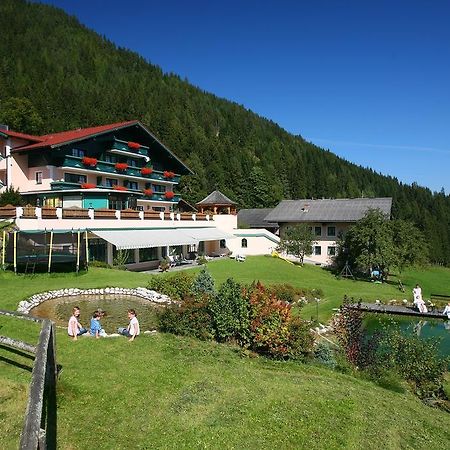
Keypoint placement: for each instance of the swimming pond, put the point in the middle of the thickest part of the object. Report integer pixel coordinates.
(115, 307)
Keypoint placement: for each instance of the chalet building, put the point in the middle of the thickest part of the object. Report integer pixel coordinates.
(115, 185)
(118, 166)
(328, 219)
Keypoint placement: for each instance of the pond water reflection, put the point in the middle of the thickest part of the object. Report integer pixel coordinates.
(115, 306)
(437, 328)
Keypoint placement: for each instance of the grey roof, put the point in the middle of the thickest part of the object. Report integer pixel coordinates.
(327, 210)
(254, 218)
(216, 198)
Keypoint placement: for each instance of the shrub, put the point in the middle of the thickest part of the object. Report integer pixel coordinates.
(416, 360)
(288, 293)
(102, 264)
(230, 313)
(201, 260)
(203, 284)
(177, 286)
(324, 355)
(274, 331)
(191, 318)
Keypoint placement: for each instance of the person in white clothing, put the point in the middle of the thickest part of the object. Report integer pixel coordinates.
(447, 310)
(418, 300)
(133, 329)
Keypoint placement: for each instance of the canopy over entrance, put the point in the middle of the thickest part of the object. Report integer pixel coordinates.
(133, 239)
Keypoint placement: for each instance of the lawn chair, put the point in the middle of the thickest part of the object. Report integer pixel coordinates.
(240, 258)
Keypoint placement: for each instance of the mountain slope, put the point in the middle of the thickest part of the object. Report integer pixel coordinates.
(75, 78)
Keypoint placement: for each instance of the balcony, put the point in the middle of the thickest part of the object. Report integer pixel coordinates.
(121, 147)
(106, 168)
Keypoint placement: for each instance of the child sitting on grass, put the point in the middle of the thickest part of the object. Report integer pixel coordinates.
(96, 327)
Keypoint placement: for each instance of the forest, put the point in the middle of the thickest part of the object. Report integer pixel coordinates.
(66, 76)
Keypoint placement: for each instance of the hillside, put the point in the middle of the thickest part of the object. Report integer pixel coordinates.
(74, 78)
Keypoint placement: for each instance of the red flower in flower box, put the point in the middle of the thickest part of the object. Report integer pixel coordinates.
(116, 187)
(88, 186)
(168, 174)
(148, 192)
(91, 162)
(146, 170)
(169, 195)
(134, 145)
(121, 166)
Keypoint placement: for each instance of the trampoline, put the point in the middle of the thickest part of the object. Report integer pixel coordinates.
(30, 251)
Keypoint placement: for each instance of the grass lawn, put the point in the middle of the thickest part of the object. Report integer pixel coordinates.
(164, 391)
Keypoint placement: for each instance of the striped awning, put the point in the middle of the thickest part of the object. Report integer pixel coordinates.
(132, 239)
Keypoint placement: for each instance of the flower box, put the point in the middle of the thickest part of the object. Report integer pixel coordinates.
(75, 213)
(105, 213)
(146, 170)
(88, 186)
(129, 214)
(7, 212)
(90, 162)
(121, 167)
(148, 192)
(169, 195)
(168, 174)
(134, 145)
(48, 212)
(119, 188)
(29, 212)
(152, 215)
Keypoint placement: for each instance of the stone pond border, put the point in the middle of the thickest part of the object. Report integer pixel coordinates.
(25, 306)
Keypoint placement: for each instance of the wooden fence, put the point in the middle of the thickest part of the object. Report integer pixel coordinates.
(39, 429)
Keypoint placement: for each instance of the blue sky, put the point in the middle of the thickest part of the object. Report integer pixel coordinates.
(369, 81)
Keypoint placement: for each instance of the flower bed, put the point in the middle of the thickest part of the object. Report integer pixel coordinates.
(90, 162)
(119, 188)
(148, 192)
(134, 145)
(88, 186)
(121, 167)
(169, 195)
(168, 174)
(146, 170)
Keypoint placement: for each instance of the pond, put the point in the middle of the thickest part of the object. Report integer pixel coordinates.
(436, 328)
(115, 307)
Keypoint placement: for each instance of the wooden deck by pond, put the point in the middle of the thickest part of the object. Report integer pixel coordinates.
(397, 310)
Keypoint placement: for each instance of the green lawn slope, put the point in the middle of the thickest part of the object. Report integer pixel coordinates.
(163, 391)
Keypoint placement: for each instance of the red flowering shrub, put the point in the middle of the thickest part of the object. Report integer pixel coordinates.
(121, 166)
(91, 162)
(168, 174)
(134, 145)
(148, 192)
(169, 195)
(119, 188)
(88, 186)
(146, 170)
(274, 331)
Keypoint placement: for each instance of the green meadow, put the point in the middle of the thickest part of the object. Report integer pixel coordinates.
(163, 391)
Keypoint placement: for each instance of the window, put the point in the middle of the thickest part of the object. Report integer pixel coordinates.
(132, 162)
(244, 243)
(99, 181)
(38, 177)
(331, 231)
(131, 184)
(223, 243)
(317, 250)
(158, 188)
(110, 182)
(78, 152)
(158, 208)
(148, 254)
(110, 158)
(318, 231)
(74, 178)
(331, 251)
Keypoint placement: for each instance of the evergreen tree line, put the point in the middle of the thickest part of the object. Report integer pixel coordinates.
(55, 74)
